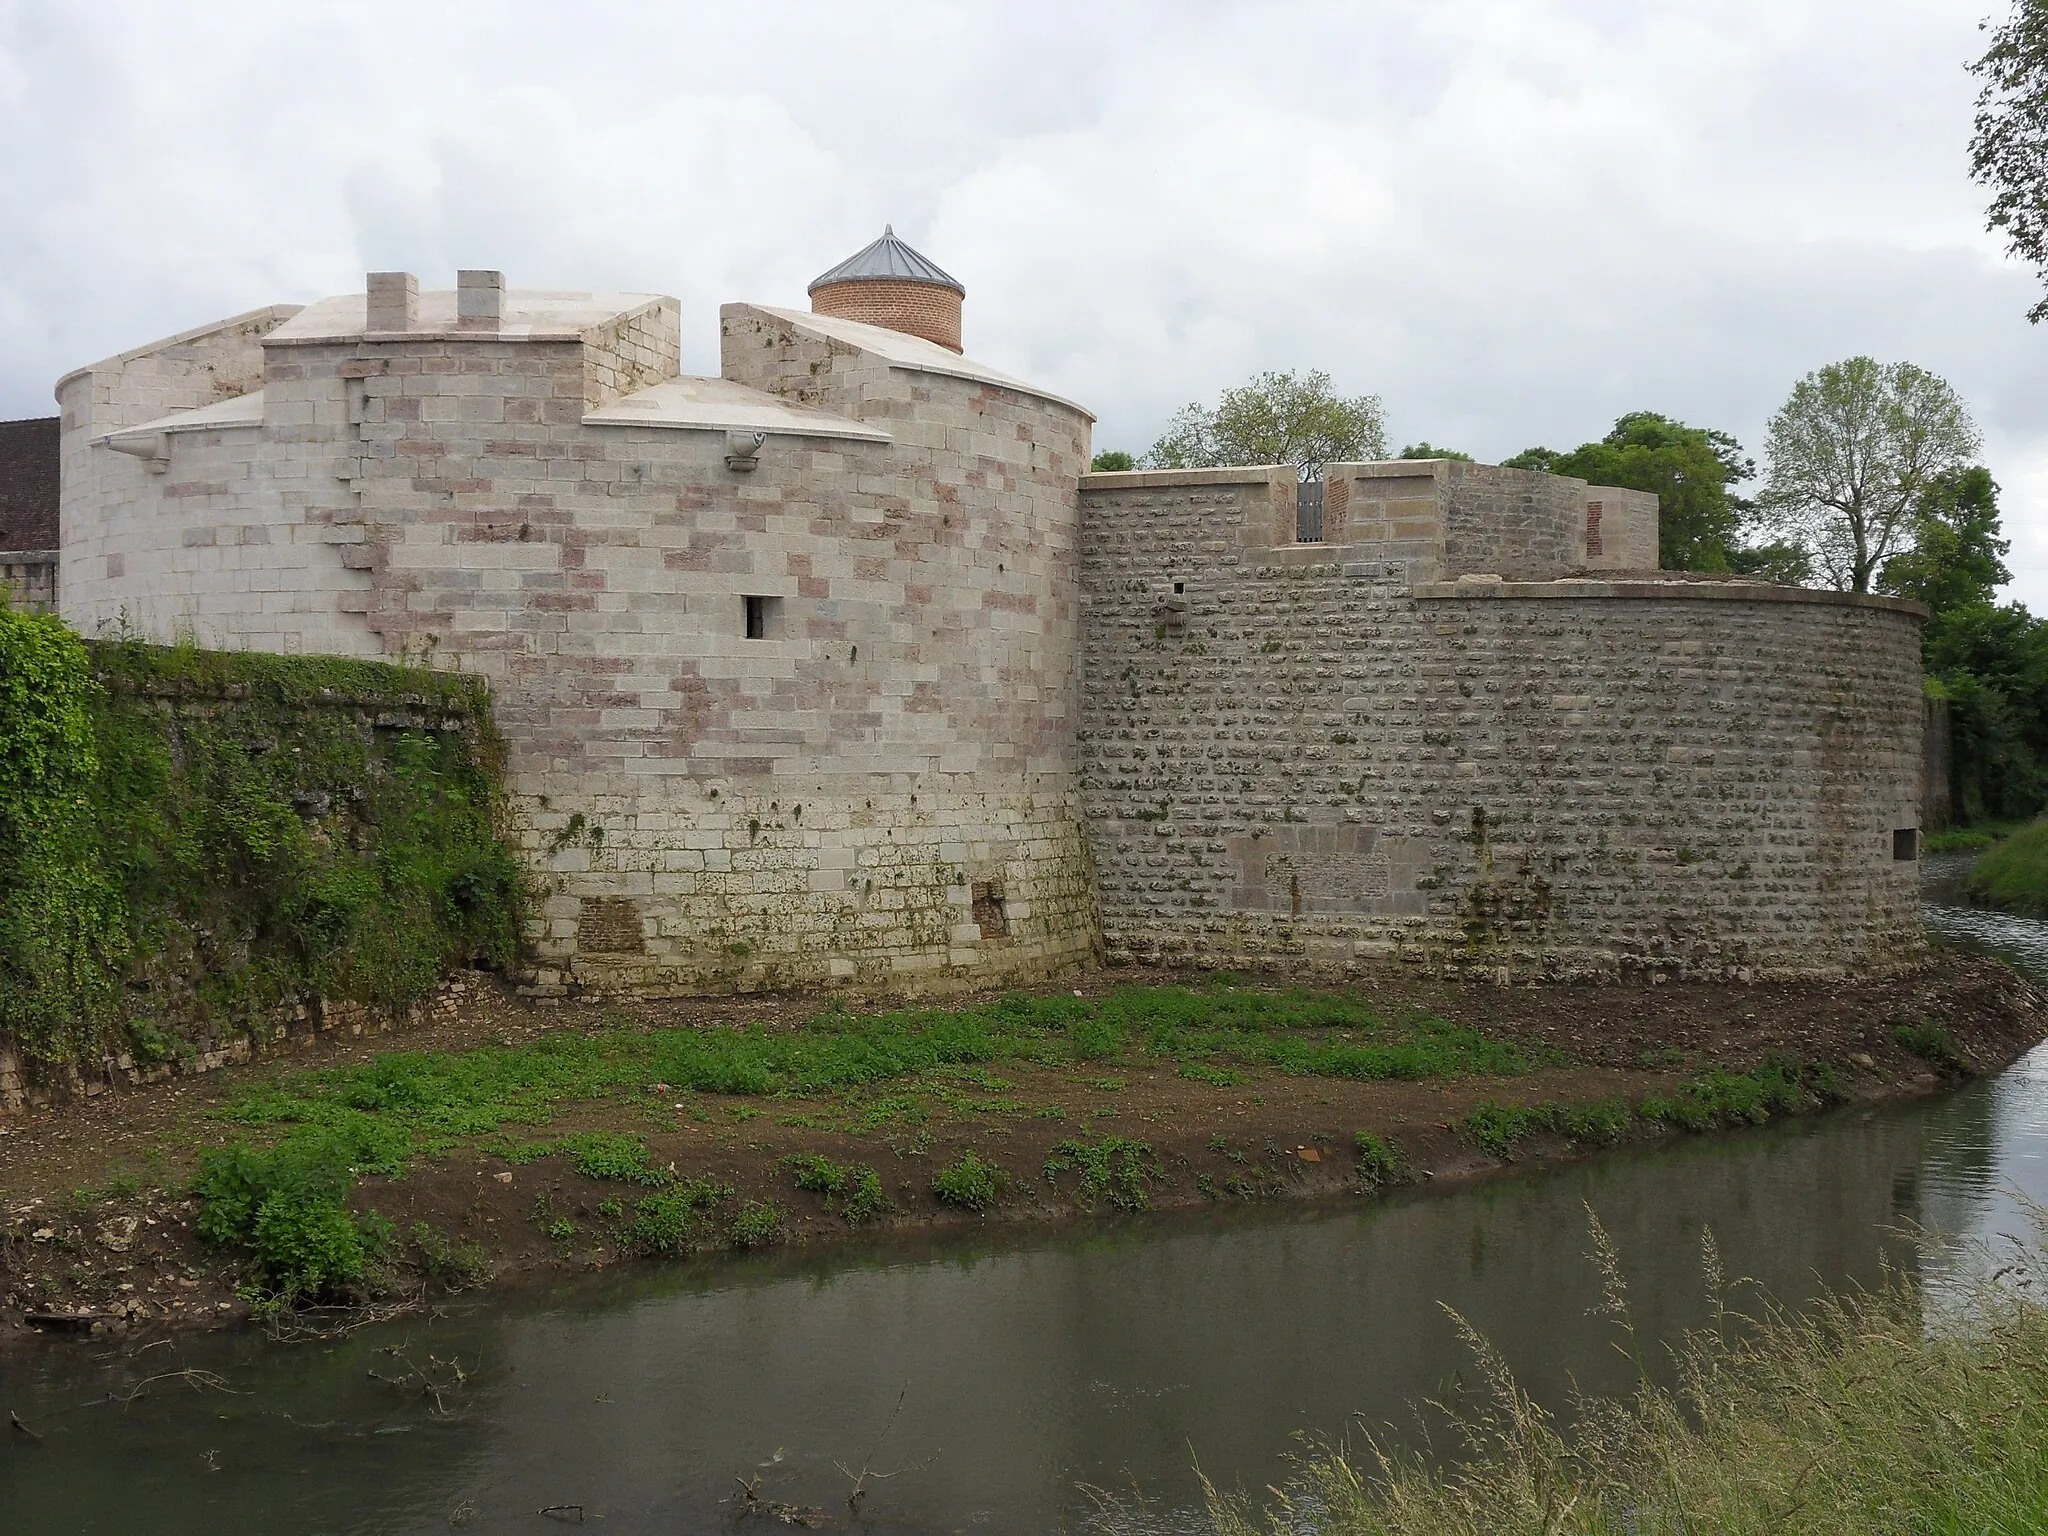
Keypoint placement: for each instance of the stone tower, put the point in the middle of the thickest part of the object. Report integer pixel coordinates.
(889, 284)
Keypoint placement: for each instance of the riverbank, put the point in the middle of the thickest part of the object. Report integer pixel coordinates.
(517, 1141)
(1883, 1409)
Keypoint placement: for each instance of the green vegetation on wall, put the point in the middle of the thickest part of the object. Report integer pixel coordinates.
(190, 839)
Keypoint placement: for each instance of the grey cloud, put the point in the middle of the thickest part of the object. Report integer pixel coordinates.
(1514, 219)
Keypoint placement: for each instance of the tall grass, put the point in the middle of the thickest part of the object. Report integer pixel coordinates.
(1864, 1413)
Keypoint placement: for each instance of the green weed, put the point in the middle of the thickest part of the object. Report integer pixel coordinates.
(854, 1188)
(1114, 1168)
(969, 1182)
(463, 1264)
(1932, 1043)
(1377, 1159)
(674, 1220)
(610, 1155)
(1718, 1097)
(1496, 1128)
(287, 1205)
(756, 1224)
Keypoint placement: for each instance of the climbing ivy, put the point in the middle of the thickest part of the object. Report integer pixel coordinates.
(190, 839)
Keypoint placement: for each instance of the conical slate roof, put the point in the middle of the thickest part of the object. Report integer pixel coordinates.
(888, 258)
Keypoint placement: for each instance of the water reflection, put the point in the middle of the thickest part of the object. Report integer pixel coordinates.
(1022, 1369)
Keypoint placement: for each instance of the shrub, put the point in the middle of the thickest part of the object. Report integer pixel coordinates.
(286, 1205)
(2014, 874)
(1115, 1168)
(969, 1182)
(235, 854)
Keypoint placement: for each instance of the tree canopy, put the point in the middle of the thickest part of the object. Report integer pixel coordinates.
(1957, 558)
(1110, 460)
(1278, 418)
(2009, 149)
(1426, 450)
(1851, 453)
(1690, 469)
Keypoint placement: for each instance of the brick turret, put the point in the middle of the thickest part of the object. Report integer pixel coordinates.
(889, 284)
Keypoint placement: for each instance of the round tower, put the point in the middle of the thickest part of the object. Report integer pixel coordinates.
(889, 284)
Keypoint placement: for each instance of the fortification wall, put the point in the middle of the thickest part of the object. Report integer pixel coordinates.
(880, 787)
(103, 493)
(1308, 754)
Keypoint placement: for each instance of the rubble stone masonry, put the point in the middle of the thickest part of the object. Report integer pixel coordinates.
(1331, 755)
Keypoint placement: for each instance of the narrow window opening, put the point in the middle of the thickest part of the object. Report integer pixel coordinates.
(764, 617)
(1179, 587)
(1906, 844)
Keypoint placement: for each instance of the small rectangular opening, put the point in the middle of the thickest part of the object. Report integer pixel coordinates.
(764, 617)
(1308, 512)
(1906, 844)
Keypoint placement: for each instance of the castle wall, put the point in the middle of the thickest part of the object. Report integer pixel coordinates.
(208, 539)
(881, 788)
(1313, 755)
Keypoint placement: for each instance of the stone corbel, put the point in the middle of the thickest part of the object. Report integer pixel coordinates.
(154, 450)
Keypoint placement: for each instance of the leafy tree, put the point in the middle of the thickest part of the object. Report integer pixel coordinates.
(1278, 418)
(1112, 460)
(1851, 452)
(2009, 149)
(1430, 451)
(1781, 562)
(1957, 557)
(1690, 469)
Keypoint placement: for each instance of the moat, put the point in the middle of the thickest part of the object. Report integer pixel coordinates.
(999, 1380)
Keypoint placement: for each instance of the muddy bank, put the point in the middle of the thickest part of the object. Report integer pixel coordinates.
(96, 1222)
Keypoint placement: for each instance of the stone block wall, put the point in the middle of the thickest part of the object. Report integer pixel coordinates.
(879, 789)
(28, 578)
(1298, 755)
(632, 351)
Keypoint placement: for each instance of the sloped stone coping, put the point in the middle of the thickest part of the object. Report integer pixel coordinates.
(1683, 591)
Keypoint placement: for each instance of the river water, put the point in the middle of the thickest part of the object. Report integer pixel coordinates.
(997, 1380)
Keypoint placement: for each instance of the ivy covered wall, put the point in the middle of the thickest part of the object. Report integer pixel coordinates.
(191, 841)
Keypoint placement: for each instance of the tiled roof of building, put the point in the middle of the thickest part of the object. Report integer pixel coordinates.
(28, 483)
(888, 258)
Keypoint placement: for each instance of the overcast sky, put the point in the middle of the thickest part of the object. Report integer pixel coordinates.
(1512, 219)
